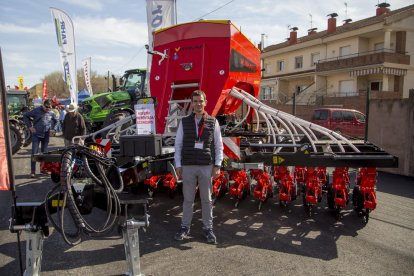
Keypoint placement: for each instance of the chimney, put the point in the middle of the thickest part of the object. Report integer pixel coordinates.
(332, 23)
(293, 38)
(382, 8)
(312, 31)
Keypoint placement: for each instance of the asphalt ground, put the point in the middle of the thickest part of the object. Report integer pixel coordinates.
(272, 241)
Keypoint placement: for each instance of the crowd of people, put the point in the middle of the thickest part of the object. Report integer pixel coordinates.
(43, 122)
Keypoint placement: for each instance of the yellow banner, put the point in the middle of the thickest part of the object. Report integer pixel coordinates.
(21, 82)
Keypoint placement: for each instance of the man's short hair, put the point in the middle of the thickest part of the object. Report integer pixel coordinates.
(47, 104)
(198, 93)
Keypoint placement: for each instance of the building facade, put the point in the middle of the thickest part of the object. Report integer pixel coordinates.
(373, 54)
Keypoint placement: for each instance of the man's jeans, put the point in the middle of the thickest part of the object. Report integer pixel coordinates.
(35, 147)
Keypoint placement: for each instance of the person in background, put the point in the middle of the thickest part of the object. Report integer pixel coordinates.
(198, 156)
(41, 122)
(73, 125)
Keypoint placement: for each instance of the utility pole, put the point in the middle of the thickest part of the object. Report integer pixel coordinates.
(107, 82)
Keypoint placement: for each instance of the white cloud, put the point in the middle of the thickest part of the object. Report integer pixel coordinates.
(95, 5)
(110, 31)
(19, 29)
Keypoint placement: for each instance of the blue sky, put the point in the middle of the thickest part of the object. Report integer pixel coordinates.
(113, 32)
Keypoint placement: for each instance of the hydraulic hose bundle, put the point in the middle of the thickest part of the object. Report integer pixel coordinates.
(87, 176)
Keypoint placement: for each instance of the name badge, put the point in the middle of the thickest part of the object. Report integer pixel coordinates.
(198, 145)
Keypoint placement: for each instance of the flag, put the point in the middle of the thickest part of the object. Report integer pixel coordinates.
(160, 14)
(6, 164)
(45, 92)
(66, 42)
(86, 64)
(20, 82)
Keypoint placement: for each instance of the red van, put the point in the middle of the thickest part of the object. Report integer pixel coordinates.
(348, 122)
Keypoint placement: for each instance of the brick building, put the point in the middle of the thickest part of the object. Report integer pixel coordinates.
(338, 65)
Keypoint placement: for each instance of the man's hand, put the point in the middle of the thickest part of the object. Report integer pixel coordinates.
(216, 171)
(179, 172)
(32, 130)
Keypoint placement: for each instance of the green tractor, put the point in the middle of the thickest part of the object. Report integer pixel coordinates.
(103, 109)
(17, 103)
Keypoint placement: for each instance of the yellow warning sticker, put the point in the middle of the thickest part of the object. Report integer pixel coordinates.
(55, 203)
(277, 160)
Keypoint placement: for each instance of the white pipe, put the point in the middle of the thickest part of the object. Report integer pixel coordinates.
(300, 123)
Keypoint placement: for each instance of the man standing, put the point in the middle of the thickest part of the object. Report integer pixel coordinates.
(73, 125)
(198, 157)
(40, 121)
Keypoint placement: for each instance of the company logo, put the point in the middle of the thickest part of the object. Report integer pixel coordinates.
(61, 32)
(186, 66)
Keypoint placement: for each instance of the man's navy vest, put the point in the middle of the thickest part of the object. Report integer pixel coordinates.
(191, 155)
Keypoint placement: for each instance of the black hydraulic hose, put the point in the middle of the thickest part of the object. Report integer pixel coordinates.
(67, 173)
(60, 214)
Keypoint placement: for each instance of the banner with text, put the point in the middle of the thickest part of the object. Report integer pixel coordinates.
(66, 42)
(160, 14)
(86, 64)
(145, 119)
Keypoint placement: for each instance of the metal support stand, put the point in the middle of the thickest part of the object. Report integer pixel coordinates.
(30, 217)
(130, 234)
(34, 250)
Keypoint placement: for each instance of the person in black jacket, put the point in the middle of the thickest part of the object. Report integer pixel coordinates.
(198, 157)
(73, 125)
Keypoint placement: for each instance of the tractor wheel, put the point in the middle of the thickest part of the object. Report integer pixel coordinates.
(16, 137)
(27, 135)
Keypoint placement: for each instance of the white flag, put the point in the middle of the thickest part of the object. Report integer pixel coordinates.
(66, 42)
(160, 14)
(86, 64)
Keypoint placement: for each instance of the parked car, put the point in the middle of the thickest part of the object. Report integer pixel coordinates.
(348, 122)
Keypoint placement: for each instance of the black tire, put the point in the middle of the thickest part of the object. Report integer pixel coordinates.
(55, 177)
(357, 199)
(27, 135)
(16, 137)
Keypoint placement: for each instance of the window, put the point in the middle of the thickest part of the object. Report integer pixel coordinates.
(336, 115)
(345, 51)
(346, 88)
(314, 59)
(360, 117)
(267, 93)
(376, 86)
(280, 65)
(298, 62)
(348, 116)
(320, 115)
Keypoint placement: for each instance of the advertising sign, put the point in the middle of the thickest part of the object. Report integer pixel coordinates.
(145, 119)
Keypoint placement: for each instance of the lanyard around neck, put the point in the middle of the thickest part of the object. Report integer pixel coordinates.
(201, 127)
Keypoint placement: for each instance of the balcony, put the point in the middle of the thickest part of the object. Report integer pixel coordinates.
(362, 59)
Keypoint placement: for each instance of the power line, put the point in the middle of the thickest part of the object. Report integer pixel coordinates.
(213, 10)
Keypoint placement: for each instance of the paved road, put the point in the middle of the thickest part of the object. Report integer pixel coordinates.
(267, 242)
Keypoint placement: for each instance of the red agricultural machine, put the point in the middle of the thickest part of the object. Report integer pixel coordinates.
(286, 157)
